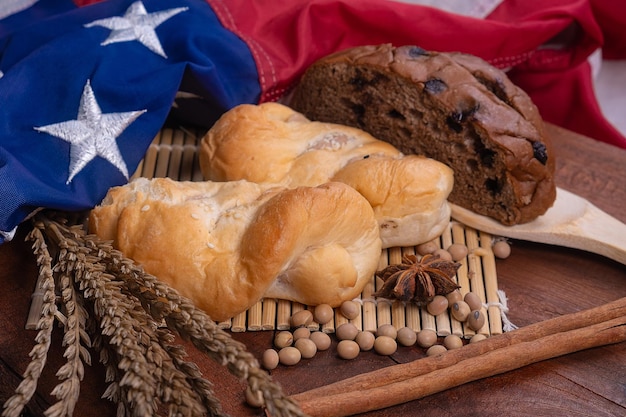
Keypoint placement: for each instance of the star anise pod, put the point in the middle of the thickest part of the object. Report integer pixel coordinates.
(418, 281)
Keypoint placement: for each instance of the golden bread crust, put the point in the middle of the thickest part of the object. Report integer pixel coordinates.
(273, 143)
(225, 245)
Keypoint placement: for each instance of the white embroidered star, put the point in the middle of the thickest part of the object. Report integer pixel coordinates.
(92, 134)
(137, 24)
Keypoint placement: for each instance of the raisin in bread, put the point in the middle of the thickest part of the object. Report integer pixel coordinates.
(452, 107)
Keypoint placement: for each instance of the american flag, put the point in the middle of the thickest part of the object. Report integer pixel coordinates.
(84, 88)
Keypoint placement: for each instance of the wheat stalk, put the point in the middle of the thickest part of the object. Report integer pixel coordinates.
(14, 406)
(112, 306)
(72, 372)
(193, 324)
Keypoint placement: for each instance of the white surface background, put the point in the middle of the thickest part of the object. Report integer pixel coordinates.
(610, 86)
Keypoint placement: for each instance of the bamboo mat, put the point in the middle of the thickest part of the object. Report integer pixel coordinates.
(173, 154)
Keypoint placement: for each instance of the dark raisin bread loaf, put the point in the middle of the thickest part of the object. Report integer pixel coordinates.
(452, 107)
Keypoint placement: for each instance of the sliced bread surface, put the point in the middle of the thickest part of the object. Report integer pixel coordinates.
(452, 107)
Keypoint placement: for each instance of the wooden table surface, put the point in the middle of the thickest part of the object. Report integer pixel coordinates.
(540, 281)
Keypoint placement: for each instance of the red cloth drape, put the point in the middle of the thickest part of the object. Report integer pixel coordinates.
(545, 44)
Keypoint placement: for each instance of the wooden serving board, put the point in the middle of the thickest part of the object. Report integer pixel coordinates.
(173, 154)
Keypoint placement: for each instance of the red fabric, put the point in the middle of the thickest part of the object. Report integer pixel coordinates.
(292, 34)
(567, 99)
(558, 78)
(576, 36)
(545, 43)
(81, 3)
(611, 16)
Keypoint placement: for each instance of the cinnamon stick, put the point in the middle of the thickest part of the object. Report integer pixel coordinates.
(397, 373)
(491, 363)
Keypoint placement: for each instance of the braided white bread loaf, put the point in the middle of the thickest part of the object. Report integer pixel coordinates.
(227, 245)
(272, 143)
